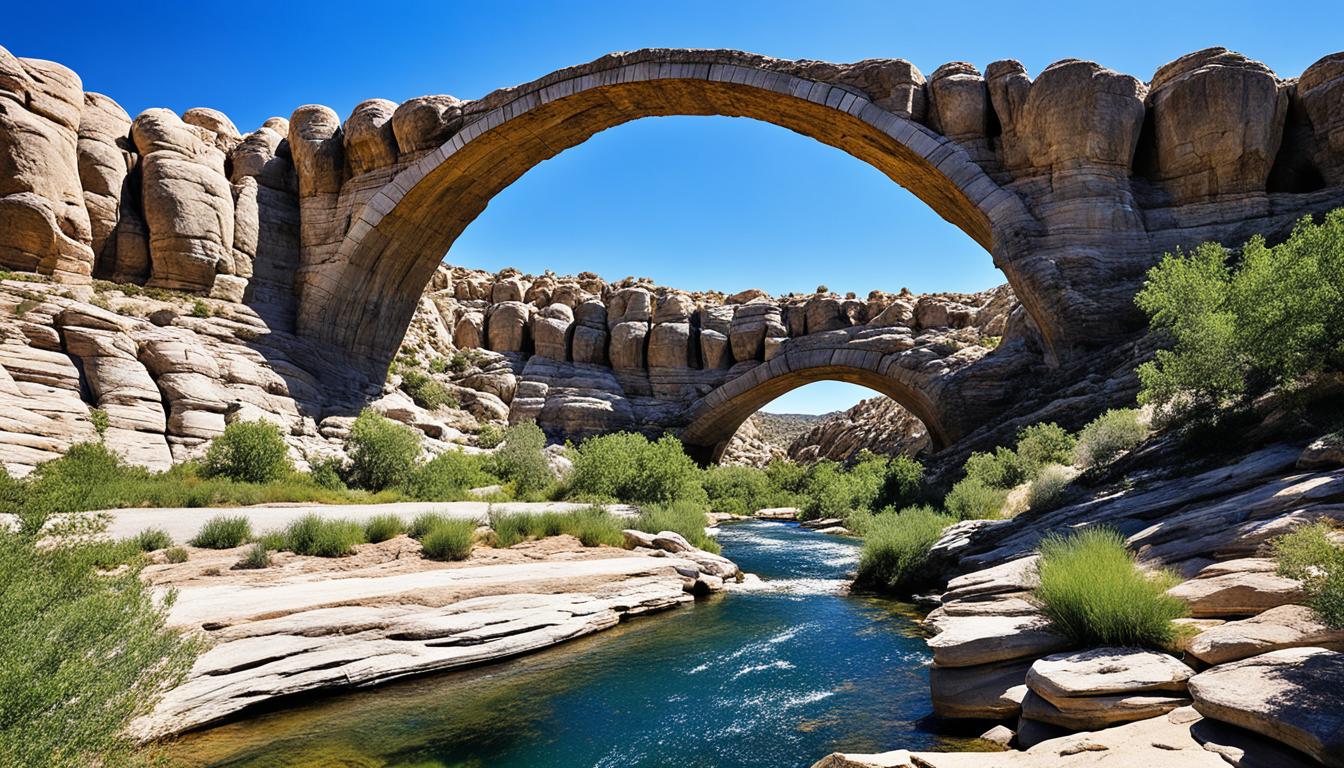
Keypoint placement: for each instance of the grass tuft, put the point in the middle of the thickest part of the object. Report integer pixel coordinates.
(449, 540)
(895, 555)
(223, 532)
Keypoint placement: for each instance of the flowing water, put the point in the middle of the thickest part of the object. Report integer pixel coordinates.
(778, 675)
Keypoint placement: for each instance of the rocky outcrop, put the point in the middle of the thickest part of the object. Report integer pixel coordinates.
(878, 424)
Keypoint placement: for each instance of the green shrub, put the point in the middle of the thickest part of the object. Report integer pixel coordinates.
(424, 521)
(250, 452)
(971, 499)
(1276, 319)
(684, 517)
(592, 527)
(257, 556)
(153, 539)
(521, 460)
(426, 391)
(320, 537)
(176, 555)
(13, 493)
(1048, 489)
(1003, 469)
(82, 654)
(1309, 555)
(89, 476)
(383, 527)
(903, 484)
(1108, 436)
(326, 473)
(1094, 594)
(447, 477)
(449, 540)
(489, 436)
(827, 492)
(100, 421)
(223, 532)
(106, 554)
(896, 545)
(1043, 444)
(200, 309)
(627, 467)
(382, 452)
(787, 476)
(738, 490)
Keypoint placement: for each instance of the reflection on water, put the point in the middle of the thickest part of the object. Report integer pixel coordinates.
(777, 675)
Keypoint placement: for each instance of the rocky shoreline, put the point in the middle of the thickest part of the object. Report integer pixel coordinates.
(310, 624)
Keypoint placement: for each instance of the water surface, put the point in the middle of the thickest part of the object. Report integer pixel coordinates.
(772, 677)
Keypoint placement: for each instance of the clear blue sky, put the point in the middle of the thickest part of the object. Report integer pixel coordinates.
(649, 198)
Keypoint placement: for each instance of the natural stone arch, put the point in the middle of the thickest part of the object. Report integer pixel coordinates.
(714, 419)
(361, 300)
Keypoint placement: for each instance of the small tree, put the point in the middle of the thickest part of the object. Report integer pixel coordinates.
(521, 460)
(382, 452)
(249, 452)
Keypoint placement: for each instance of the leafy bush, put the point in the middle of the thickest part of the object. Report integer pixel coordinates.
(1276, 319)
(628, 467)
(1108, 436)
(425, 390)
(827, 492)
(903, 484)
(223, 532)
(176, 555)
(1309, 555)
(383, 527)
(896, 546)
(521, 460)
(1003, 468)
(738, 490)
(1043, 444)
(152, 539)
(200, 309)
(489, 436)
(684, 517)
(100, 421)
(250, 452)
(1094, 594)
(382, 452)
(87, 477)
(314, 535)
(326, 473)
(449, 540)
(257, 556)
(423, 522)
(1049, 487)
(596, 527)
(82, 654)
(447, 477)
(971, 499)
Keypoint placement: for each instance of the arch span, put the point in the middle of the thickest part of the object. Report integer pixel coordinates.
(361, 298)
(715, 418)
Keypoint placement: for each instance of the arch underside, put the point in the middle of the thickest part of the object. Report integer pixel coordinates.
(392, 249)
(718, 416)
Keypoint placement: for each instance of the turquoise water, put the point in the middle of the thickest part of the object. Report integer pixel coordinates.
(777, 675)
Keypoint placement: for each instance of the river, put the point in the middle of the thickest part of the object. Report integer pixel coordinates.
(776, 675)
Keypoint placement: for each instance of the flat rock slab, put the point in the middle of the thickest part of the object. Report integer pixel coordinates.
(1293, 696)
(1159, 742)
(1090, 713)
(1106, 671)
(1288, 626)
(1240, 593)
(966, 641)
(1014, 576)
(989, 691)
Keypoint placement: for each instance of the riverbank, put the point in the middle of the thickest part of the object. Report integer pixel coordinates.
(309, 624)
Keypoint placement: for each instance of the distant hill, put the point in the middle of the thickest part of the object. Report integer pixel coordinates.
(781, 429)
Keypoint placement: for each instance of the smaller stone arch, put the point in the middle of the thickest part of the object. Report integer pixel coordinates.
(715, 418)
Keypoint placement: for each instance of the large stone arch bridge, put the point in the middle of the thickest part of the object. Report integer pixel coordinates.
(1075, 182)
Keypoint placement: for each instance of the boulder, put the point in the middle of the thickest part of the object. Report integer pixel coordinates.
(825, 313)
(1287, 626)
(671, 345)
(1105, 671)
(630, 305)
(106, 156)
(752, 323)
(958, 102)
(629, 344)
(1217, 123)
(1220, 593)
(1020, 575)
(589, 344)
(1291, 696)
(426, 122)
(674, 308)
(44, 225)
(224, 134)
(989, 691)
(1090, 713)
(469, 332)
(1009, 87)
(318, 151)
(1320, 89)
(552, 329)
(187, 200)
(507, 326)
(1078, 113)
(369, 141)
(966, 641)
